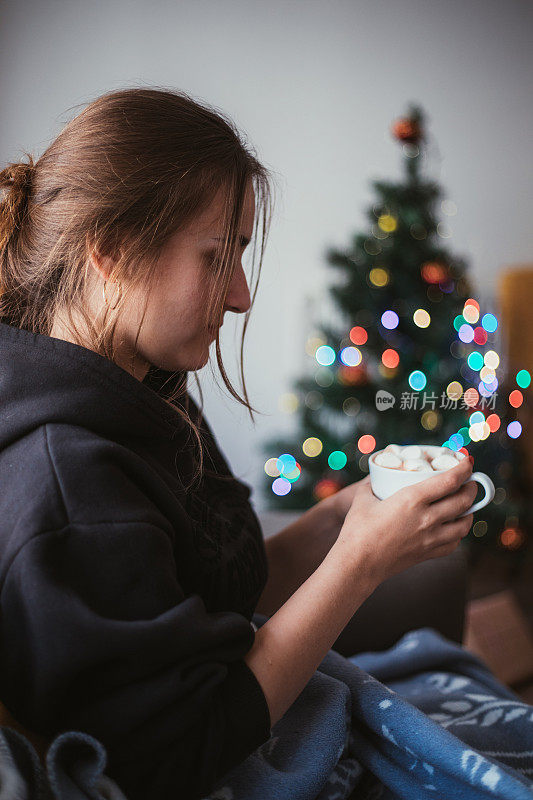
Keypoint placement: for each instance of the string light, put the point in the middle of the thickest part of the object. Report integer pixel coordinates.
(366, 443)
(433, 272)
(281, 486)
(417, 380)
(523, 378)
(271, 468)
(512, 538)
(351, 356)
(288, 402)
(324, 377)
(351, 406)
(337, 459)
(454, 390)
(429, 420)
(378, 276)
(312, 447)
(492, 359)
(325, 488)
(466, 333)
(494, 422)
(487, 375)
(470, 313)
(390, 319)
(390, 358)
(358, 335)
(421, 318)
(516, 398)
(480, 335)
(471, 397)
(475, 360)
(312, 343)
(387, 223)
(514, 429)
(325, 355)
(489, 322)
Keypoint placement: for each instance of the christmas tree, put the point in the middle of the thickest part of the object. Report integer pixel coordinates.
(411, 357)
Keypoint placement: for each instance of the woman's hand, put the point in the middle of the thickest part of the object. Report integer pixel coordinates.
(341, 502)
(415, 523)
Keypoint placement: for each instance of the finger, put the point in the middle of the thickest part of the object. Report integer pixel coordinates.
(449, 508)
(457, 529)
(431, 489)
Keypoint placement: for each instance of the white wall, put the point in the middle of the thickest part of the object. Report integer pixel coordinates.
(315, 86)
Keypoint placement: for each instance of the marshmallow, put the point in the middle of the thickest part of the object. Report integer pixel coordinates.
(393, 448)
(411, 451)
(444, 462)
(388, 460)
(416, 465)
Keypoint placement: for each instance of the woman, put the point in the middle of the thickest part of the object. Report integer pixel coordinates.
(130, 568)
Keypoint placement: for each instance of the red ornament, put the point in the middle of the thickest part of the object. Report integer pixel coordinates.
(352, 376)
(406, 130)
(325, 488)
(434, 272)
(512, 537)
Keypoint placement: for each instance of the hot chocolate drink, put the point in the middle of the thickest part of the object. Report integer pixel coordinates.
(397, 466)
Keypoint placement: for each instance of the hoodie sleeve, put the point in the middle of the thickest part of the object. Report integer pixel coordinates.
(101, 638)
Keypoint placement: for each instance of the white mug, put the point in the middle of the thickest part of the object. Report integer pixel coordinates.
(385, 481)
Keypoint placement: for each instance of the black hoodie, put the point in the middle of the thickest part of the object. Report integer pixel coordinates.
(126, 601)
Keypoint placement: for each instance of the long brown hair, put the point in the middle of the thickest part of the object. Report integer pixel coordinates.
(132, 169)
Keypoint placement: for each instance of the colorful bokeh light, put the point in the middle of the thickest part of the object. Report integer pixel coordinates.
(366, 443)
(312, 447)
(421, 318)
(471, 313)
(514, 429)
(489, 322)
(281, 486)
(480, 335)
(475, 360)
(494, 422)
(337, 459)
(466, 333)
(325, 355)
(390, 319)
(378, 276)
(351, 356)
(417, 380)
(390, 358)
(358, 335)
(523, 378)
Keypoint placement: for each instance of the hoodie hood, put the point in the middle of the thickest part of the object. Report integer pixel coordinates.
(44, 379)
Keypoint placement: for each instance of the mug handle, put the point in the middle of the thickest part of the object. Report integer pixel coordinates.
(488, 485)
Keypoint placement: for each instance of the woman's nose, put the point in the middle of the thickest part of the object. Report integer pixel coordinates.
(238, 297)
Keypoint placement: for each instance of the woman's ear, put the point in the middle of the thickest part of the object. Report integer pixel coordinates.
(102, 264)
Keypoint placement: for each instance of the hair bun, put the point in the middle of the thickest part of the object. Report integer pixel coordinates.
(17, 178)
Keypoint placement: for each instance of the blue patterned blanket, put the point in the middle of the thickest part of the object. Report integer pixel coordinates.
(423, 720)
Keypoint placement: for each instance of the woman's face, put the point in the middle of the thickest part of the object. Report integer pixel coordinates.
(175, 332)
